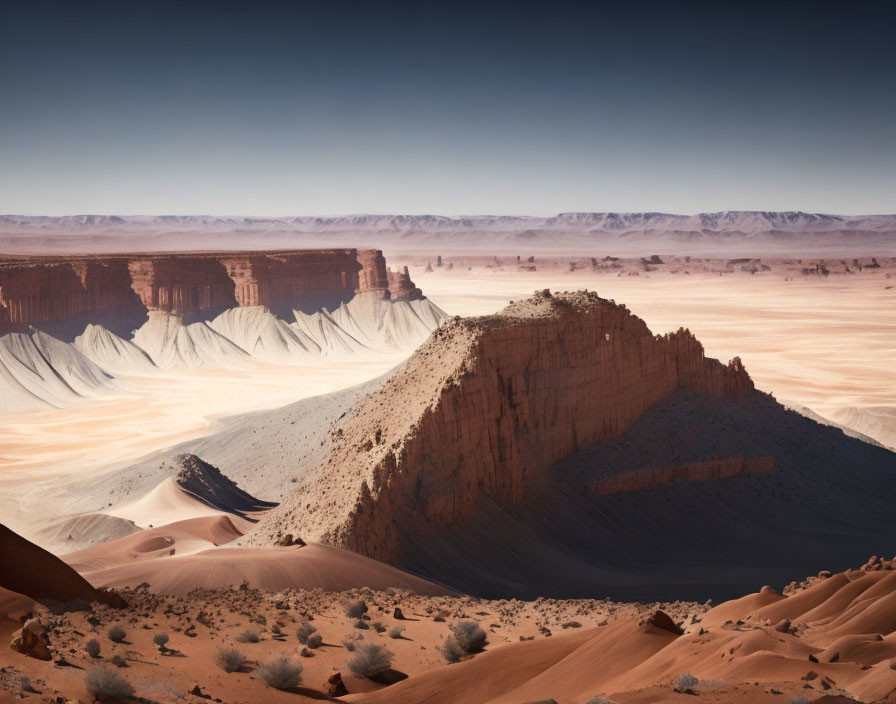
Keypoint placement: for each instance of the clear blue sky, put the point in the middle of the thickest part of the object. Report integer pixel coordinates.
(332, 107)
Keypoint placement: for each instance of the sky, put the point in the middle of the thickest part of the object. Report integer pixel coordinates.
(336, 107)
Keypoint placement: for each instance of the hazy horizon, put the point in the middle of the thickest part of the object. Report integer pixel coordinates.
(454, 216)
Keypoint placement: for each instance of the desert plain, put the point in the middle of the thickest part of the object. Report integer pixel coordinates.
(177, 552)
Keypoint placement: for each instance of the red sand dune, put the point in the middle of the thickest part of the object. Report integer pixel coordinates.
(846, 622)
(181, 556)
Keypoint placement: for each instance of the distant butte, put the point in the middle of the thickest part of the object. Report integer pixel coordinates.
(63, 294)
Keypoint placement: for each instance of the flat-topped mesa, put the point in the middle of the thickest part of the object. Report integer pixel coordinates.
(483, 410)
(61, 295)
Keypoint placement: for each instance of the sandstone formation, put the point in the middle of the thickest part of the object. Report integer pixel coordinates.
(543, 446)
(63, 294)
(491, 403)
(708, 470)
(32, 640)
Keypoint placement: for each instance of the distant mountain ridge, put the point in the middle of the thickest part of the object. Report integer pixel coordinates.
(725, 233)
(740, 220)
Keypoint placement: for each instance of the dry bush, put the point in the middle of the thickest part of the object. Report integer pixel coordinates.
(370, 659)
(230, 659)
(450, 649)
(396, 632)
(304, 631)
(469, 636)
(686, 680)
(92, 648)
(315, 641)
(247, 636)
(117, 634)
(106, 684)
(281, 673)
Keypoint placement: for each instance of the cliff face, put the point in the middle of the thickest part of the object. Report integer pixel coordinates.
(482, 412)
(62, 295)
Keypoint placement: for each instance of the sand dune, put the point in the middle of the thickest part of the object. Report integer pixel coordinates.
(76, 532)
(179, 538)
(194, 490)
(314, 566)
(167, 503)
(737, 643)
(185, 555)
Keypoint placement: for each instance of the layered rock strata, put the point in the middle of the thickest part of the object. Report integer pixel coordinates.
(62, 295)
(483, 410)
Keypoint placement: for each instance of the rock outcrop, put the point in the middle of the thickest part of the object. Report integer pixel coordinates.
(32, 640)
(487, 407)
(61, 295)
(206, 483)
(559, 448)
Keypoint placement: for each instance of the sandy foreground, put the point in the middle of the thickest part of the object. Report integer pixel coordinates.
(822, 639)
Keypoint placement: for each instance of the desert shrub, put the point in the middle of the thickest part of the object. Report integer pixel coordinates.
(370, 659)
(315, 641)
(118, 661)
(92, 648)
(161, 640)
(450, 649)
(600, 700)
(107, 684)
(378, 627)
(275, 629)
(230, 659)
(469, 636)
(356, 609)
(247, 636)
(304, 631)
(396, 632)
(25, 684)
(281, 673)
(351, 641)
(686, 680)
(116, 634)
(362, 625)
(800, 699)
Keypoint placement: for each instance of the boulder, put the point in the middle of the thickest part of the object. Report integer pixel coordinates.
(335, 686)
(663, 621)
(32, 640)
